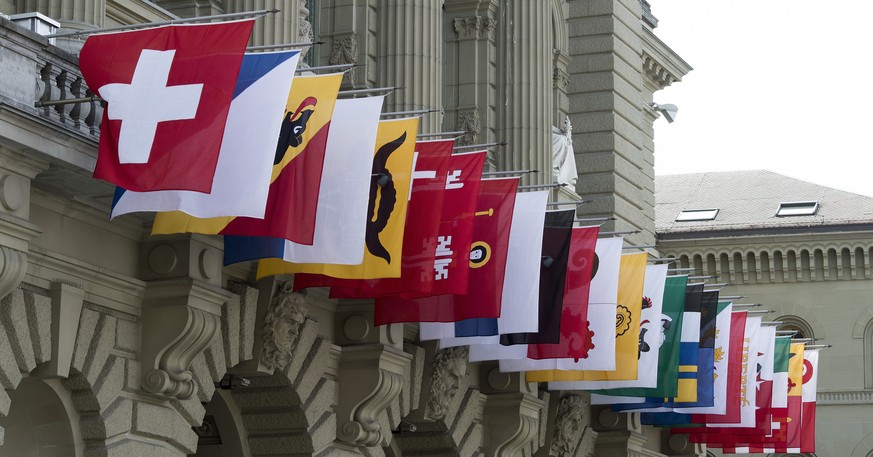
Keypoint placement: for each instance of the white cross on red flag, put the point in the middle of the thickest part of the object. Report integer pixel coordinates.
(168, 91)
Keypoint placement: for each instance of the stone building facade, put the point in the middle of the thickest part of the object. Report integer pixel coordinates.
(115, 343)
(811, 266)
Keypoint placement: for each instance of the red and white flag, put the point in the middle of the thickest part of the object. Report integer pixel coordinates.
(168, 92)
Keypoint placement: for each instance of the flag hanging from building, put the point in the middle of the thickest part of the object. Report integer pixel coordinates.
(627, 329)
(168, 91)
(553, 274)
(298, 166)
(242, 174)
(668, 332)
(342, 197)
(575, 337)
(386, 211)
(518, 310)
(808, 396)
(431, 164)
(721, 362)
(487, 263)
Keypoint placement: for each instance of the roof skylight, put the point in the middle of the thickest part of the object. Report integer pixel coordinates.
(697, 215)
(797, 209)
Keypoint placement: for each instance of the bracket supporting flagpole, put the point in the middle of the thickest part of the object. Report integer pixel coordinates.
(431, 135)
(191, 20)
(478, 146)
(268, 47)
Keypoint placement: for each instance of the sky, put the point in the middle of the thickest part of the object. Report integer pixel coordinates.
(778, 85)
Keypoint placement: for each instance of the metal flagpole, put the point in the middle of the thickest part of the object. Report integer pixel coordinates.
(478, 146)
(429, 135)
(510, 172)
(369, 91)
(266, 47)
(580, 202)
(342, 66)
(543, 186)
(410, 113)
(626, 232)
(594, 219)
(257, 13)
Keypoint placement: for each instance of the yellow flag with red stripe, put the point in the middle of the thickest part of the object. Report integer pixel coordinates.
(632, 274)
(296, 170)
(389, 197)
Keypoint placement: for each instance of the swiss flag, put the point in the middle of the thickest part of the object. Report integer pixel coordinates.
(168, 91)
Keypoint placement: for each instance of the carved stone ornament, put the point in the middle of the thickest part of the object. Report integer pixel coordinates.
(569, 425)
(282, 326)
(474, 27)
(561, 78)
(563, 157)
(468, 121)
(304, 28)
(344, 49)
(179, 320)
(449, 368)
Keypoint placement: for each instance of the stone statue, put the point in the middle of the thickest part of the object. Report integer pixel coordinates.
(282, 326)
(569, 425)
(563, 158)
(449, 367)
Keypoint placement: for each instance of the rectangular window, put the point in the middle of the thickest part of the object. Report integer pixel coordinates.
(797, 209)
(697, 215)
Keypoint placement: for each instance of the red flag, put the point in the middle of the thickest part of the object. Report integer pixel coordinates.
(810, 386)
(168, 91)
(574, 310)
(487, 263)
(431, 164)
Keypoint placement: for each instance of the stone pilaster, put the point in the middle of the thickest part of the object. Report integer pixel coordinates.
(289, 25)
(409, 35)
(471, 72)
(16, 231)
(371, 375)
(512, 413)
(181, 310)
(525, 75)
(192, 8)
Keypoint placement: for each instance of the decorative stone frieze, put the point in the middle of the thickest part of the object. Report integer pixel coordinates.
(344, 49)
(657, 73)
(468, 122)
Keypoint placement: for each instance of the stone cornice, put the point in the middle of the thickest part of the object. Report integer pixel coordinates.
(857, 397)
(660, 63)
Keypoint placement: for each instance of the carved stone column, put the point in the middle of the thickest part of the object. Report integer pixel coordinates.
(181, 310)
(512, 413)
(372, 372)
(409, 34)
(524, 103)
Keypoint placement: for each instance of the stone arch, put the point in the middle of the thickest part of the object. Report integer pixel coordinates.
(791, 322)
(791, 259)
(778, 266)
(868, 354)
(751, 267)
(726, 274)
(766, 274)
(738, 271)
(93, 379)
(864, 448)
(711, 266)
(860, 264)
(41, 419)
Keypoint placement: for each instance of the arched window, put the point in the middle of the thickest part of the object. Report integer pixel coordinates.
(798, 324)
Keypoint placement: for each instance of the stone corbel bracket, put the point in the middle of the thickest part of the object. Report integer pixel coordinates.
(180, 317)
(512, 412)
(373, 377)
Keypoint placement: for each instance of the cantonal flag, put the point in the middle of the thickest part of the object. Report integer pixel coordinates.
(487, 263)
(518, 310)
(574, 335)
(627, 328)
(166, 105)
(810, 386)
(556, 235)
(601, 315)
(342, 198)
(386, 212)
(721, 363)
(419, 237)
(668, 331)
(451, 261)
(298, 166)
(242, 174)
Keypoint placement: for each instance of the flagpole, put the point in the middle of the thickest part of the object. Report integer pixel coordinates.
(626, 232)
(642, 246)
(266, 47)
(256, 14)
(430, 135)
(410, 113)
(369, 91)
(594, 219)
(342, 66)
(577, 203)
(509, 172)
(478, 146)
(547, 186)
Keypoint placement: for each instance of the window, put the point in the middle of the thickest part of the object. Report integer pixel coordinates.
(797, 209)
(697, 215)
